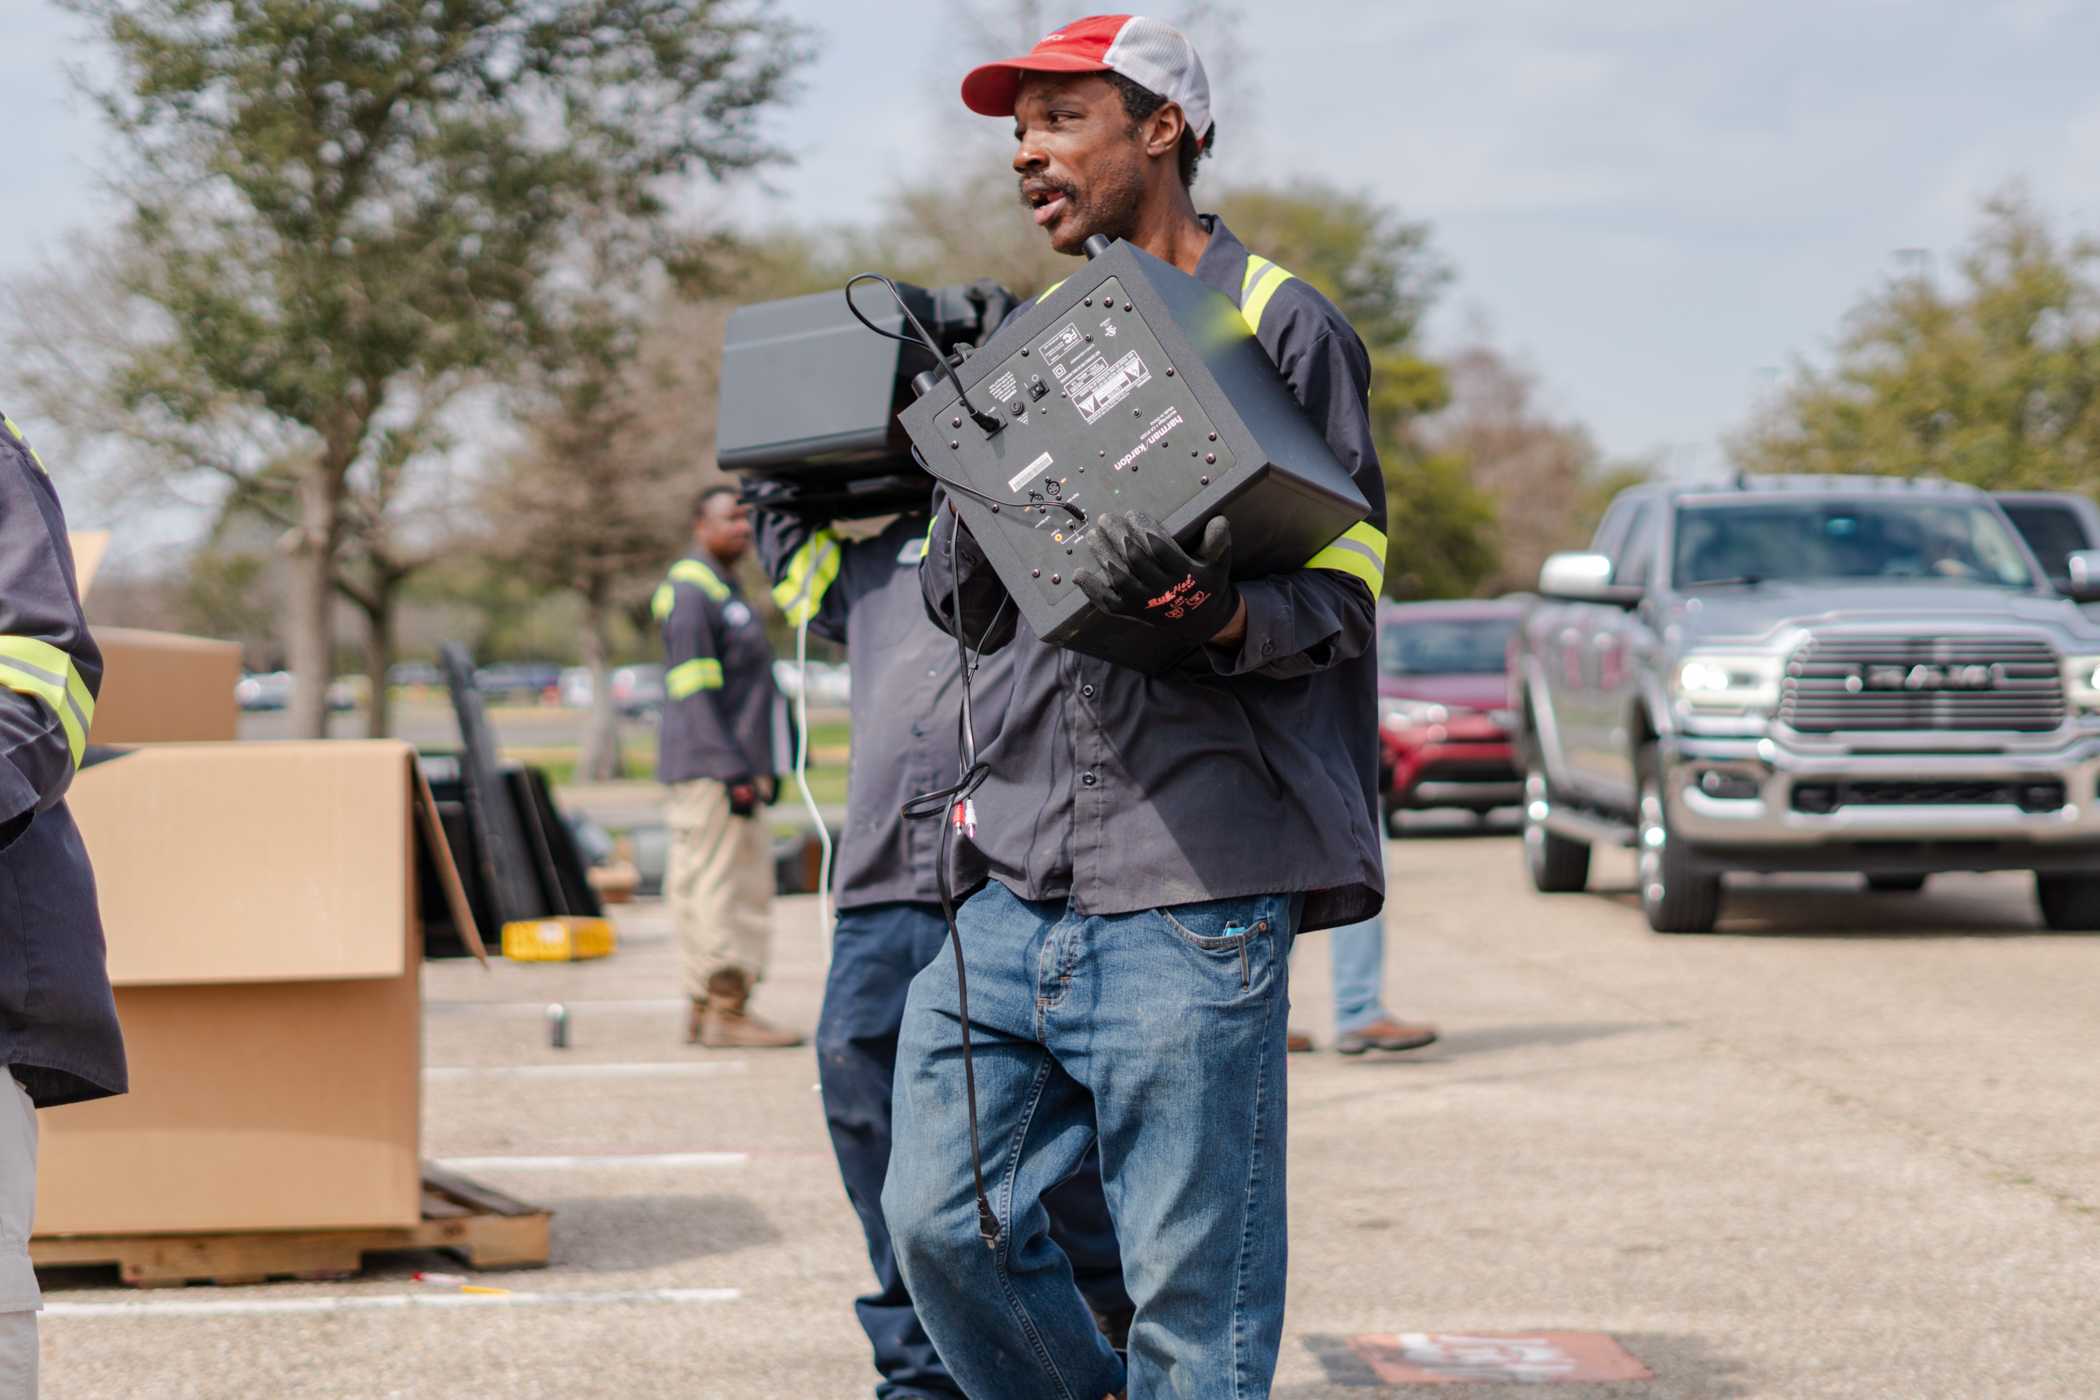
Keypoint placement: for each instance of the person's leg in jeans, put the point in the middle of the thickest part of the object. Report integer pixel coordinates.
(1361, 1021)
(1175, 1020)
(875, 953)
(19, 1295)
(1009, 1321)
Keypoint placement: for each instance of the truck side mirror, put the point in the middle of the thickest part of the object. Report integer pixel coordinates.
(1578, 577)
(2085, 575)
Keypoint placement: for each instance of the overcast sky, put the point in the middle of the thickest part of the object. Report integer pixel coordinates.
(1652, 203)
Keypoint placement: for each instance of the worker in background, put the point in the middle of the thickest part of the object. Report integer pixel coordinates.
(58, 1023)
(1154, 842)
(1361, 1022)
(906, 699)
(716, 757)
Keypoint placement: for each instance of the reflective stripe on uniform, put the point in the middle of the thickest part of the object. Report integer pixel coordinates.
(39, 669)
(800, 592)
(1360, 552)
(1257, 286)
(661, 600)
(16, 433)
(701, 577)
(689, 678)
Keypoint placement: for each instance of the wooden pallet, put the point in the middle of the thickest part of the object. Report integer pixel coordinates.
(485, 1227)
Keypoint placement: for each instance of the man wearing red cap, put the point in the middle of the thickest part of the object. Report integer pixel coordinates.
(1154, 842)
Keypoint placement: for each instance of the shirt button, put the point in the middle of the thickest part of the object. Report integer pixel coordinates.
(1089, 779)
(1087, 691)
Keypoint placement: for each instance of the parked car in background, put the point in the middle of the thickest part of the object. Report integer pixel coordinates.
(1810, 673)
(414, 675)
(1443, 707)
(2056, 525)
(527, 682)
(830, 683)
(264, 690)
(637, 690)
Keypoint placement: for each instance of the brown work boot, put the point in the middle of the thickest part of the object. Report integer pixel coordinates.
(695, 1019)
(728, 1026)
(1297, 1043)
(1384, 1034)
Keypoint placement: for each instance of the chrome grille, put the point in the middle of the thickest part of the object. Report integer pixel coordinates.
(1839, 682)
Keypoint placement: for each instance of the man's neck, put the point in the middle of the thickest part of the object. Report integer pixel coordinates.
(1169, 230)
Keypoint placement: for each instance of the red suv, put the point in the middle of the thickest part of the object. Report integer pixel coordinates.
(1443, 707)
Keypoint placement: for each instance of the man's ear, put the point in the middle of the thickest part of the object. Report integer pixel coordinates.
(1163, 129)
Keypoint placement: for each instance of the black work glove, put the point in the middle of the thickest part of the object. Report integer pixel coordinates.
(1139, 572)
(743, 797)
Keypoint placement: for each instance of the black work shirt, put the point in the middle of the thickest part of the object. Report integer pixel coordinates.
(718, 677)
(1247, 771)
(58, 1022)
(907, 698)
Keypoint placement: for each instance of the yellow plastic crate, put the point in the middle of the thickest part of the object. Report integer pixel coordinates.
(563, 939)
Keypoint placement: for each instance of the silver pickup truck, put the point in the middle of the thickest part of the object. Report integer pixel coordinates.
(1788, 674)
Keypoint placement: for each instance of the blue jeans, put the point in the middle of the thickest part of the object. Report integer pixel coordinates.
(1158, 1035)
(1359, 973)
(875, 953)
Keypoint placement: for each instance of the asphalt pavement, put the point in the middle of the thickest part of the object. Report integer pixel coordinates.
(1845, 1147)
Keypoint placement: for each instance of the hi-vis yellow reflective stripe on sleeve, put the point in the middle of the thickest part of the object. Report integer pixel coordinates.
(1257, 286)
(16, 433)
(1359, 552)
(815, 567)
(39, 669)
(691, 677)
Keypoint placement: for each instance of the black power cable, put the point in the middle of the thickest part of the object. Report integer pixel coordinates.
(951, 806)
(990, 422)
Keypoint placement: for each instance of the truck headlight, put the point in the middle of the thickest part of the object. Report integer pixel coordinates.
(2082, 683)
(1727, 683)
(1413, 714)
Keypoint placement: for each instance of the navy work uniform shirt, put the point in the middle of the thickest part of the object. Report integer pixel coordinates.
(907, 697)
(718, 677)
(58, 1022)
(1248, 771)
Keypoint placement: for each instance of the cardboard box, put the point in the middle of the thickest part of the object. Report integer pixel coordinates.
(157, 687)
(260, 905)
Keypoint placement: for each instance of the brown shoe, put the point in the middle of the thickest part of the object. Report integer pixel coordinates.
(1297, 1043)
(1385, 1034)
(728, 1026)
(695, 1019)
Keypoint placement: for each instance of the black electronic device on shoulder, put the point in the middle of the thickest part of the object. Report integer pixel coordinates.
(1128, 386)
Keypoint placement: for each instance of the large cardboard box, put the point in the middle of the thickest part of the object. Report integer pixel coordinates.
(260, 904)
(157, 687)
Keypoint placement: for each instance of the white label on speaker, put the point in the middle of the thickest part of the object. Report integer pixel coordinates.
(1029, 473)
(1005, 386)
(1101, 392)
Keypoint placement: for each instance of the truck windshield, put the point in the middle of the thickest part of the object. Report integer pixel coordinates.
(1445, 647)
(1885, 540)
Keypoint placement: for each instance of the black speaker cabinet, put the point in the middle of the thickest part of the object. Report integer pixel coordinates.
(1131, 386)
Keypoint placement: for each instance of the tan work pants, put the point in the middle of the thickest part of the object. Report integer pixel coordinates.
(19, 1297)
(719, 884)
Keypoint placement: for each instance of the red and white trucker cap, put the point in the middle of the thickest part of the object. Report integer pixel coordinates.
(1149, 52)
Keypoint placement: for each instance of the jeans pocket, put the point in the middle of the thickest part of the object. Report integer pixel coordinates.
(1225, 925)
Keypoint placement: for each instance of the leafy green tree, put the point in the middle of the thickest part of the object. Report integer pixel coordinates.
(343, 214)
(1992, 377)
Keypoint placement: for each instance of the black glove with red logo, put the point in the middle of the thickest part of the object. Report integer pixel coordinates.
(1139, 572)
(743, 796)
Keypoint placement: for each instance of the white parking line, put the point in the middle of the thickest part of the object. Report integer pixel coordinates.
(612, 1159)
(230, 1307)
(690, 1069)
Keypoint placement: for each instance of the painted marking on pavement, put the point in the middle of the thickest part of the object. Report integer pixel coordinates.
(694, 1069)
(611, 1159)
(381, 1302)
(1450, 1358)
